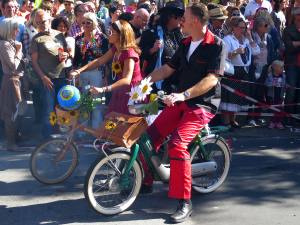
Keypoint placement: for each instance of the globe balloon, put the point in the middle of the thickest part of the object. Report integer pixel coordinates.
(68, 97)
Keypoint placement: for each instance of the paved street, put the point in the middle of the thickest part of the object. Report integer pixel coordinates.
(263, 188)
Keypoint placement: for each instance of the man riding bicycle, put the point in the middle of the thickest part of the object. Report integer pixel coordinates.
(199, 61)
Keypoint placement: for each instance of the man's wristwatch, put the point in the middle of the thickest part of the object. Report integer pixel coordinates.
(186, 95)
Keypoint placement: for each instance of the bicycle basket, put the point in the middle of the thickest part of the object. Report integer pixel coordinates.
(124, 130)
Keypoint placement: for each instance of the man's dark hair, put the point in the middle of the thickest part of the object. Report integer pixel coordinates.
(112, 10)
(4, 2)
(78, 9)
(276, 6)
(167, 14)
(200, 10)
(58, 20)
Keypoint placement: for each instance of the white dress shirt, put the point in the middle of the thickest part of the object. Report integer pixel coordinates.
(232, 44)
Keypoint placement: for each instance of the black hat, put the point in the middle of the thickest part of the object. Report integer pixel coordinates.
(173, 6)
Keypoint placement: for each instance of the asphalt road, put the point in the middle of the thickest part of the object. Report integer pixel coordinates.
(263, 188)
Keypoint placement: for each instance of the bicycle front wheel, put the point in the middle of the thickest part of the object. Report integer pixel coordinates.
(218, 152)
(53, 161)
(106, 188)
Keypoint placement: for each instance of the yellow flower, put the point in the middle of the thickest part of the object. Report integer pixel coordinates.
(52, 118)
(116, 67)
(63, 120)
(110, 125)
(153, 97)
(67, 121)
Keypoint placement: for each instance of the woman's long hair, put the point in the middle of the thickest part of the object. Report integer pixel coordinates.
(127, 36)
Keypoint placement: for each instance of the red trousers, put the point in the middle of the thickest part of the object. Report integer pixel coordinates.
(184, 123)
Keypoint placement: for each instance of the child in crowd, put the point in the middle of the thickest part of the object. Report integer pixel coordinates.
(275, 83)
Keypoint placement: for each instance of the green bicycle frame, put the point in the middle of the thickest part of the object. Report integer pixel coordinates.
(148, 154)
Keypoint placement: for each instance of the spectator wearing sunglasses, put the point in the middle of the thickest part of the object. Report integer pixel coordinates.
(261, 61)
(48, 53)
(216, 20)
(240, 49)
(275, 34)
(160, 42)
(90, 45)
(232, 11)
(139, 22)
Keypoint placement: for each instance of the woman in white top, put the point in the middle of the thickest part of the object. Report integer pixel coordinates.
(261, 61)
(240, 48)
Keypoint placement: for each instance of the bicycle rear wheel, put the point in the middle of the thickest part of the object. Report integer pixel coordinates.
(218, 152)
(106, 189)
(53, 161)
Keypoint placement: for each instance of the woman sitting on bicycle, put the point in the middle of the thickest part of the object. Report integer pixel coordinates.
(125, 66)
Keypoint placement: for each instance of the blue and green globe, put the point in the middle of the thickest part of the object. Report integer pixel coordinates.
(68, 97)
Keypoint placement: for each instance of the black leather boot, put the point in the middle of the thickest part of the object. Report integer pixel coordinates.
(183, 212)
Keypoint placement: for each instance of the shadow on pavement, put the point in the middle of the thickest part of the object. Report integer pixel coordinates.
(263, 171)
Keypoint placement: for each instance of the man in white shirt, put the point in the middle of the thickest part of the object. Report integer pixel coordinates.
(253, 5)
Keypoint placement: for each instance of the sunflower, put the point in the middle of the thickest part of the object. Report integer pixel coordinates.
(116, 67)
(53, 118)
(67, 121)
(110, 125)
(63, 120)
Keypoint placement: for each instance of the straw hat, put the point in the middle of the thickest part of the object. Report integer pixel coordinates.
(216, 14)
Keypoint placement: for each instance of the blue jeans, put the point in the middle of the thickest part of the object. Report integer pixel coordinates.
(93, 78)
(292, 95)
(50, 100)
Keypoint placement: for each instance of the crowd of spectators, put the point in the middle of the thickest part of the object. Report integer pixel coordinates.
(43, 45)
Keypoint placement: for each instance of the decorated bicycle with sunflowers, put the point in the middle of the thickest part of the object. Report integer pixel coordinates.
(55, 160)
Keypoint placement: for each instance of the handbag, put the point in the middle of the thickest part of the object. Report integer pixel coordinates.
(124, 130)
(229, 68)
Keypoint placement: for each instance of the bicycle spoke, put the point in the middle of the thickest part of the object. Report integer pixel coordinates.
(114, 167)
